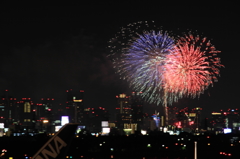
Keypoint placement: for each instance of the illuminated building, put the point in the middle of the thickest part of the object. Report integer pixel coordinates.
(148, 122)
(129, 111)
(172, 112)
(156, 118)
(44, 109)
(226, 119)
(218, 120)
(96, 117)
(198, 118)
(232, 118)
(44, 114)
(75, 106)
(182, 118)
(137, 109)
(7, 109)
(26, 115)
(185, 118)
(123, 110)
(129, 128)
(47, 105)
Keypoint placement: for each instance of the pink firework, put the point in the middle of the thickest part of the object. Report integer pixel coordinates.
(192, 67)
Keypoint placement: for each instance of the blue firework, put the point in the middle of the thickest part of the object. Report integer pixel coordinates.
(141, 64)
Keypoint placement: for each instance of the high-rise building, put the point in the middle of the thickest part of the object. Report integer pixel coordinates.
(123, 110)
(185, 118)
(44, 114)
(217, 121)
(172, 113)
(26, 116)
(137, 109)
(198, 118)
(75, 106)
(232, 118)
(44, 109)
(182, 118)
(7, 109)
(96, 117)
(129, 111)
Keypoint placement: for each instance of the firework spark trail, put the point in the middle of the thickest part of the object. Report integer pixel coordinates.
(190, 70)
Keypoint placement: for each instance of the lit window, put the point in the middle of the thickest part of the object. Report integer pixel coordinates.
(27, 107)
(27, 120)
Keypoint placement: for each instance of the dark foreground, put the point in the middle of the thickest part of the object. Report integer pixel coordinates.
(156, 146)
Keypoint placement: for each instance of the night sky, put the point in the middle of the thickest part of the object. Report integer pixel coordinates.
(47, 50)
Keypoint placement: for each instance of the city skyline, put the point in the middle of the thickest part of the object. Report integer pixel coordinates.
(62, 108)
(47, 50)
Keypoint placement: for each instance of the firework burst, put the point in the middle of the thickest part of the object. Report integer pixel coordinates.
(142, 57)
(192, 68)
(163, 68)
(142, 66)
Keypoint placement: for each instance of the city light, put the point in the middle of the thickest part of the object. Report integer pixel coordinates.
(45, 121)
(188, 114)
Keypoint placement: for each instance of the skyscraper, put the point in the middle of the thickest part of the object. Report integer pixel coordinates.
(123, 110)
(26, 116)
(7, 109)
(75, 106)
(44, 114)
(218, 120)
(137, 109)
(129, 111)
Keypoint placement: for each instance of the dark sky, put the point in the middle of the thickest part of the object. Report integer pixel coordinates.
(46, 50)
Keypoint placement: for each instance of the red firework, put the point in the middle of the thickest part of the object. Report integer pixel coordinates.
(192, 67)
